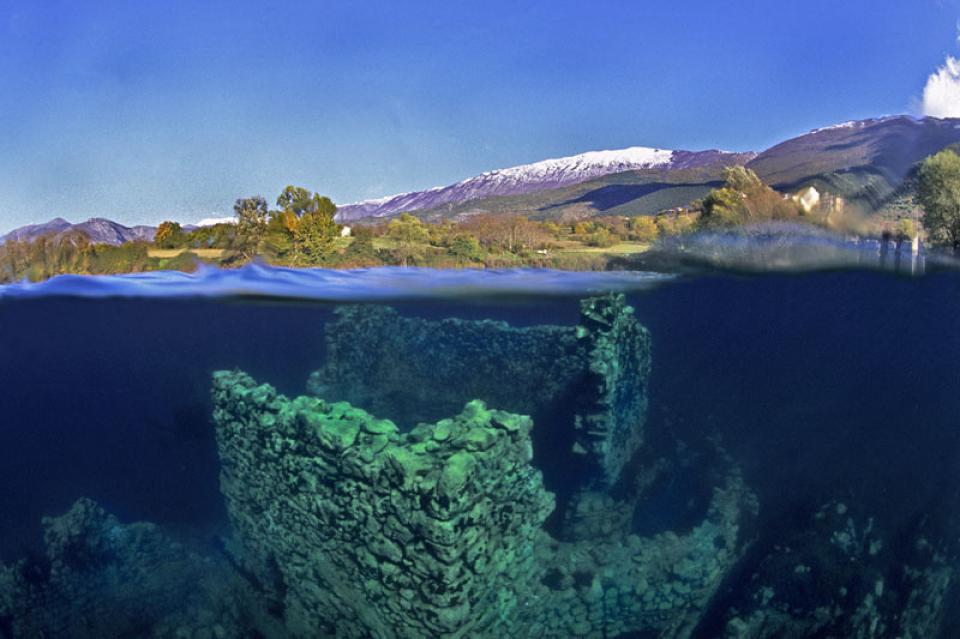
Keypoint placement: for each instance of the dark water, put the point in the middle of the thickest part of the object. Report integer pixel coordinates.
(798, 472)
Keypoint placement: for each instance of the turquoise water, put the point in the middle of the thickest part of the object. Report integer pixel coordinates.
(411, 453)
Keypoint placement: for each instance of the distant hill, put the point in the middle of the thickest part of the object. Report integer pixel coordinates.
(526, 179)
(99, 230)
(641, 192)
(866, 162)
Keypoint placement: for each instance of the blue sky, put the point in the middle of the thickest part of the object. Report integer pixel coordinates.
(147, 111)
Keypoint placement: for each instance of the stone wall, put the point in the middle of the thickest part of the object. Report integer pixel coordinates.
(585, 386)
(362, 531)
(359, 530)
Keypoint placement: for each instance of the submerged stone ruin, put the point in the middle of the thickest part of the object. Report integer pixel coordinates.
(585, 386)
(357, 529)
(471, 479)
(361, 531)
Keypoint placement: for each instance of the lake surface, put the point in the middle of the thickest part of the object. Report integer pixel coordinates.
(712, 455)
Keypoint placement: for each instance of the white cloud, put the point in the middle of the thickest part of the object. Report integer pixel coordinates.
(941, 96)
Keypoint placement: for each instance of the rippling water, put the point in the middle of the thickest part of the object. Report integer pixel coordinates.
(710, 455)
(358, 285)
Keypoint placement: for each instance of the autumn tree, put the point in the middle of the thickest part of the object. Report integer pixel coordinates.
(169, 235)
(14, 260)
(906, 230)
(601, 237)
(675, 223)
(511, 233)
(303, 225)
(642, 228)
(745, 199)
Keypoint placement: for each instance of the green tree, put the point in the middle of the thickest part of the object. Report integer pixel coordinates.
(279, 241)
(169, 235)
(304, 224)
(299, 201)
(938, 191)
(278, 238)
(295, 199)
(252, 215)
(745, 199)
(409, 234)
(315, 237)
(323, 205)
(217, 236)
(742, 179)
(361, 250)
(466, 248)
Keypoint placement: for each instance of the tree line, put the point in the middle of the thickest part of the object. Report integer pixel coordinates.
(301, 230)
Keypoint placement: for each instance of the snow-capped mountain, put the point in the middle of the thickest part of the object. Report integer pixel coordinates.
(862, 124)
(864, 162)
(528, 178)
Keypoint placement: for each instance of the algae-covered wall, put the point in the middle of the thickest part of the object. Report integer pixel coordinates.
(585, 386)
(358, 530)
(375, 533)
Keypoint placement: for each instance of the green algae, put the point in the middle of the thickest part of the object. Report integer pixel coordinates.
(442, 533)
(587, 383)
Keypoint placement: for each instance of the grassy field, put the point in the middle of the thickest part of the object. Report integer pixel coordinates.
(560, 248)
(166, 254)
(622, 248)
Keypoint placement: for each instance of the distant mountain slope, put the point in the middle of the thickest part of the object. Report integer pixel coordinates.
(864, 161)
(99, 230)
(641, 192)
(32, 231)
(531, 178)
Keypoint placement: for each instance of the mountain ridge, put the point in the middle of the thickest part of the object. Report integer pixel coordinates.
(536, 176)
(100, 231)
(865, 162)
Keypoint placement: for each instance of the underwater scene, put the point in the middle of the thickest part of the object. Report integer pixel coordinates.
(538, 454)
